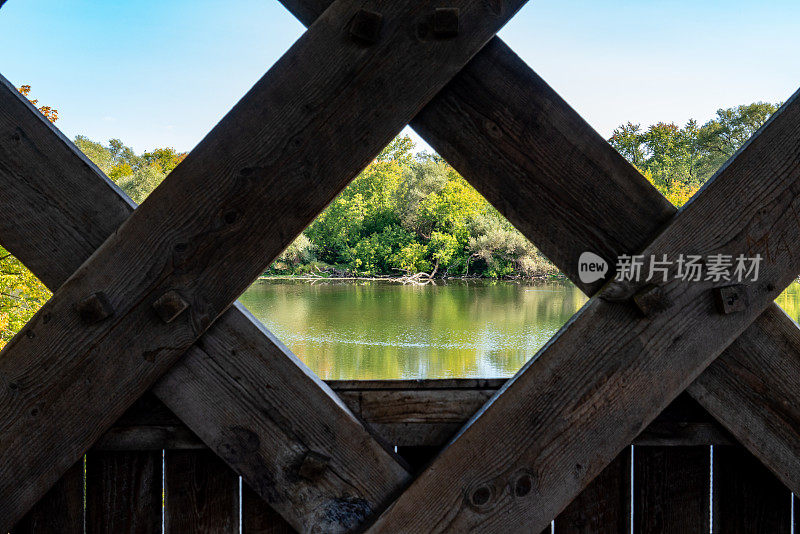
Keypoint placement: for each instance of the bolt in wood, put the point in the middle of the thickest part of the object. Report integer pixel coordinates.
(94, 308)
(366, 27)
(169, 306)
(731, 299)
(445, 22)
(650, 300)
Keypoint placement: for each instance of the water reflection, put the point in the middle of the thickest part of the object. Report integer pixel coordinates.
(370, 330)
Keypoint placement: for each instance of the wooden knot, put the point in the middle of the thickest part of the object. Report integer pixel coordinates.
(445, 22)
(365, 27)
(94, 308)
(169, 306)
(731, 299)
(521, 483)
(481, 497)
(313, 465)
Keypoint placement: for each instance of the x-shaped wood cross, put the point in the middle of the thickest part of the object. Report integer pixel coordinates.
(501, 127)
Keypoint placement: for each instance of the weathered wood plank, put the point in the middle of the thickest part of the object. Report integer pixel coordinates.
(684, 423)
(604, 505)
(610, 370)
(498, 114)
(60, 511)
(747, 497)
(42, 171)
(259, 518)
(505, 130)
(261, 168)
(202, 494)
(671, 489)
(753, 389)
(151, 426)
(123, 492)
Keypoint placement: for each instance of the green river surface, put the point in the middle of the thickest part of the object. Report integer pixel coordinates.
(384, 330)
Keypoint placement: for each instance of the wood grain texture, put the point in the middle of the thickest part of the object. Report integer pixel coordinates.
(604, 505)
(309, 117)
(753, 390)
(40, 168)
(202, 494)
(123, 492)
(671, 489)
(259, 518)
(60, 511)
(572, 192)
(610, 371)
(747, 497)
(152, 426)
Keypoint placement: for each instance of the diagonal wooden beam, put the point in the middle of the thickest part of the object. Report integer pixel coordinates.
(504, 129)
(611, 370)
(270, 166)
(501, 126)
(252, 401)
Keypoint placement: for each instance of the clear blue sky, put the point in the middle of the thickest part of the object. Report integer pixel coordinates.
(163, 73)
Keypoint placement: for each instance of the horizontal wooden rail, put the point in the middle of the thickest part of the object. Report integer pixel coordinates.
(405, 413)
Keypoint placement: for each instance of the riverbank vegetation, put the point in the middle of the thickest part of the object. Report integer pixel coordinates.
(411, 214)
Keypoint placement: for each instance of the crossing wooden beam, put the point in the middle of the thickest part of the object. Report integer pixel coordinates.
(573, 193)
(188, 290)
(252, 401)
(611, 369)
(504, 129)
(175, 265)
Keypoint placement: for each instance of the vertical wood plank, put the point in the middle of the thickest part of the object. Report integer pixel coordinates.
(747, 497)
(123, 492)
(259, 518)
(60, 511)
(671, 489)
(604, 506)
(202, 494)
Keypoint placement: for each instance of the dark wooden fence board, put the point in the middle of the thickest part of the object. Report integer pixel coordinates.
(149, 425)
(747, 497)
(604, 506)
(123, 492)
(60, 511)
(671, 489)
(202, 494)
(259, 518)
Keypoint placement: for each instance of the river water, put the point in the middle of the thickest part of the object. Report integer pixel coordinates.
(371, 330)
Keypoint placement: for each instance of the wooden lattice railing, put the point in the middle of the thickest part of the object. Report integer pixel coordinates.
(670, 490)
(144, 299)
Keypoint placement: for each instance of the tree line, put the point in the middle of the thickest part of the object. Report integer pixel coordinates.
(411, 212)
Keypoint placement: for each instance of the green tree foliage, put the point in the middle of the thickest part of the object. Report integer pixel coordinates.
(137, 175)
(679, 160)
(21, 293)
(409, 214)
(21, 296)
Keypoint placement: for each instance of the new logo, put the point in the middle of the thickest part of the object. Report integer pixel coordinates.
(591, 267)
